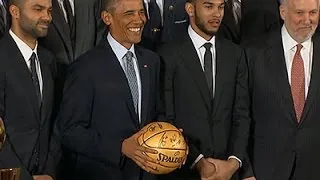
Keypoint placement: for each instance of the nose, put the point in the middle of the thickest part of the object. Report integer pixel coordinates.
(217, 12)
(140, 17)
(307, 19)
(46, 16)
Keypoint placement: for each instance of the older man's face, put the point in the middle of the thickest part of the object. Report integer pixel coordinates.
(300, 18)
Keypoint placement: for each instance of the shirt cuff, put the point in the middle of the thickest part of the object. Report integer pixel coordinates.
(234, 157)
(196, 161)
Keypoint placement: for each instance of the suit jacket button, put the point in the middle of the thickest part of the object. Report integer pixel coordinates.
(171, 8)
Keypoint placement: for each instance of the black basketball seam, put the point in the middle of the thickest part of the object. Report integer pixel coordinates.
(162, 148)
(144, 140)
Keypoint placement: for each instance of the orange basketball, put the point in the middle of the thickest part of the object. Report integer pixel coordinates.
(168, 141)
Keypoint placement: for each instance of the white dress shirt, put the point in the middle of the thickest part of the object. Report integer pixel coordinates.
(120, 51)
(26, 52)
(63, 10)
(198, 43)
(290, 48)
(160, 3)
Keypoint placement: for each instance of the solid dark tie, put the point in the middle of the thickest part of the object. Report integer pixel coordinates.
(154, 15)
(71, 20)
(68, 9)
(34, 77)
(132, 79)
(208, 66)
(298, 82)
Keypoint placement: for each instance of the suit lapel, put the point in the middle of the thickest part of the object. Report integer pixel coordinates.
(191, 59)
(116, 67)
(61, 25)
(20, 67)
(145, 84)
(221, 72)
(278, 65)
(47, 85)
(315, 78)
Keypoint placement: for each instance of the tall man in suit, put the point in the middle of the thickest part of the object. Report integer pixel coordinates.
(284, 84)
(110, 93)
(205, 90)
(247, 19)
(26, 92)
(166, 21)
(76, 27)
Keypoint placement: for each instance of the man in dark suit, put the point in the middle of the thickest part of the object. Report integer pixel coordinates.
(205, 90)
(76, 27)
(26, 92)
(284, 84)
(247, 19)
(110, 93)
(166, 21)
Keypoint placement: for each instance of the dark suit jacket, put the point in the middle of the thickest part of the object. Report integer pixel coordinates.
(97, 112)
(89, 30)
(58, 41)
(25, 123)
(216, 128)
(175, 24)
(257, 17)
(281, 146)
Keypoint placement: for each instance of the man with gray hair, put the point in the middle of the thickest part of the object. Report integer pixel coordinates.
(284, 83)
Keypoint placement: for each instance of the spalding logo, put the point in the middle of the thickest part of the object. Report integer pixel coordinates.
(165, 158)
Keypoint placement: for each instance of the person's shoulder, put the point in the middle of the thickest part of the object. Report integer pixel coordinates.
(173, 46)
(146, 53)
(226, 43)
(261, 41)
(91, 58)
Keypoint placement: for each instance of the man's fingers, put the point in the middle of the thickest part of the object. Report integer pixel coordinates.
(147, 150)
(145, 157)
(146, 165)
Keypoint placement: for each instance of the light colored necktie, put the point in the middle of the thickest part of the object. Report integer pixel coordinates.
(298, 82)
(132, 79)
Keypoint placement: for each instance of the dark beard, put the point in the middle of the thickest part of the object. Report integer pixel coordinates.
(200, 25)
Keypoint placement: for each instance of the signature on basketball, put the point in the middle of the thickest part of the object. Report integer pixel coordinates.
(171, 140)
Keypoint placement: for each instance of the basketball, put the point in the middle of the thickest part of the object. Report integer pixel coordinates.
(168, 141)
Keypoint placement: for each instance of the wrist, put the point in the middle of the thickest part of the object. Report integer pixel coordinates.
(200, 164)
(234, 164)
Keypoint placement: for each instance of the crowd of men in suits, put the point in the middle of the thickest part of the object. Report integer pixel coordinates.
(80, 78)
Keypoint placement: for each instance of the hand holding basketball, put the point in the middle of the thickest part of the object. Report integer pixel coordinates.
(137, 153)
(169, 143)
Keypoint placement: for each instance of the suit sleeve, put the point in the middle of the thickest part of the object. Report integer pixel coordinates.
(55, 153)
(247, 170)
(75, 118)
(168, 69)
(8, 156)
(241, 113)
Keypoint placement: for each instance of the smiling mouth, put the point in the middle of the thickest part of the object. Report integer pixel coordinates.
(135, 29)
